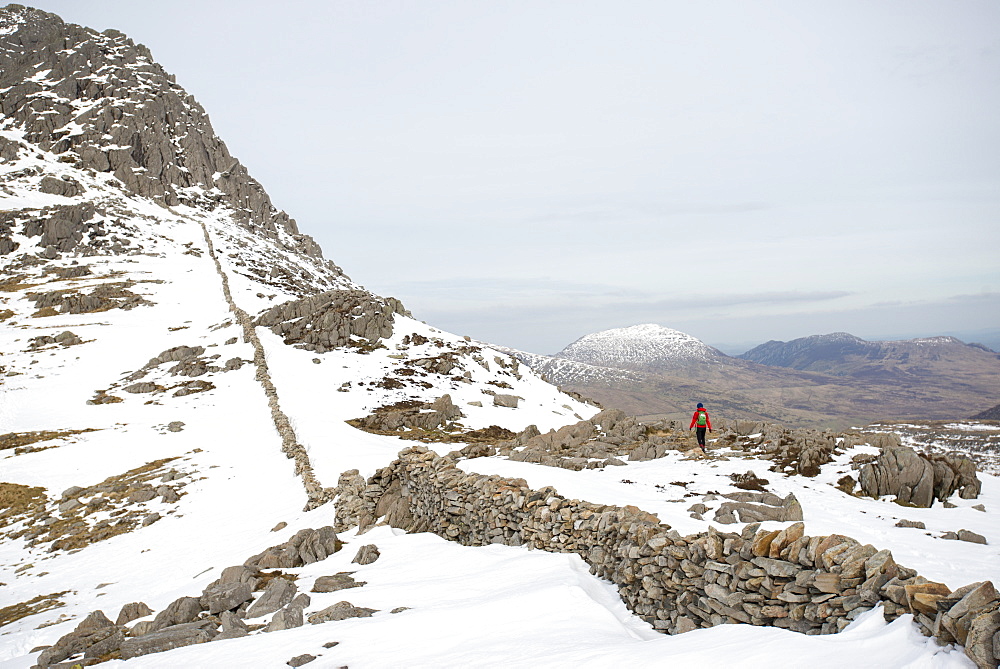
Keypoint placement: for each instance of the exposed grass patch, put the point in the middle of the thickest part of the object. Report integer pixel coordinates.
(21, 440)
(15, 612)
(14, 283)
(17, 499)
(749, 481)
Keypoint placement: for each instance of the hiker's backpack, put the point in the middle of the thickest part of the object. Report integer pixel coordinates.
(702, 418)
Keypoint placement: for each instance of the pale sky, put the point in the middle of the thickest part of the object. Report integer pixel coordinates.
(528, 172)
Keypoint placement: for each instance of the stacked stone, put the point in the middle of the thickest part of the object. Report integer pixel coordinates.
(333, 319)
(782, 578)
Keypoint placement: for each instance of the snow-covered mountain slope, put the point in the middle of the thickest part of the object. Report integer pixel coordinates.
(563, 372)
(178, 366)
(648, 347)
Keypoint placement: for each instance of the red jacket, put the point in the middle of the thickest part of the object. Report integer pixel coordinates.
(694, 419)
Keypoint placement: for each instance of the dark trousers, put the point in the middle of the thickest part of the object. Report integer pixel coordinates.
(700, 433)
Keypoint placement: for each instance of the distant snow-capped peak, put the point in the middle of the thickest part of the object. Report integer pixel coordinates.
(641, 347)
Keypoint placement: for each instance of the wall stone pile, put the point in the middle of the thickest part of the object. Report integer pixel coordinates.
(782, 578)
(334, 319)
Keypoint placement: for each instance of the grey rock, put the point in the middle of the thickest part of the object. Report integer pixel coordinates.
(917, 479)
(232, 626)
(66, 186)
(911, 523)
(141, 387)
(340, 611)
(286, 618)
(277, 594)
(971, 537)
(334, 319)
(299, 660)
(240, 574)
(143, 494)
(175, 426)
(366, 554)
(305, 547)
(150, 518)
(509, 401)
(132, 611)
(225, 596)
(340, 581)
(175, 636)
(180, 611)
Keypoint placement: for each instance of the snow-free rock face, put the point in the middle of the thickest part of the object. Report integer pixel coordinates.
(647, 347)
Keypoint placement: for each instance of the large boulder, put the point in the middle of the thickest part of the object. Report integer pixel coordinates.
(180, 611)
(340, 611)
(225, 596)
(175, 636)
(277, 593)
(917, 480)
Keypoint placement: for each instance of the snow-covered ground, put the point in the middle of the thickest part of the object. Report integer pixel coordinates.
(489, 606)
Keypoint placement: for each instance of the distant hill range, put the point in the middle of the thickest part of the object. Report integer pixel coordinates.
(825, 380)
(993, 413)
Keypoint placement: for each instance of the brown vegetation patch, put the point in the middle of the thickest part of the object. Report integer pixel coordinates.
(266, 577)
(15, 612)
(749, 481)
(102, 397)
(5, 314)
(17, 499)
(14, 283)
(20, 441)
(67, 523)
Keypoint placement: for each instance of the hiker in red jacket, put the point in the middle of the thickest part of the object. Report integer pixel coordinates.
(700, 421)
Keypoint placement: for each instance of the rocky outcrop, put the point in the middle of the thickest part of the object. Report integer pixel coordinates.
(588, 444)
(226, 602)
(916, 479)
(334, 319)
(781, 578)
(410, 415)
(102, 298)
(340, 611)
(305, 547)
(101, 102)
(756, 507)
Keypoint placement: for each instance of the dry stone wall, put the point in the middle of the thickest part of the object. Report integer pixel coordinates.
(781, 578)
(290, 446)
